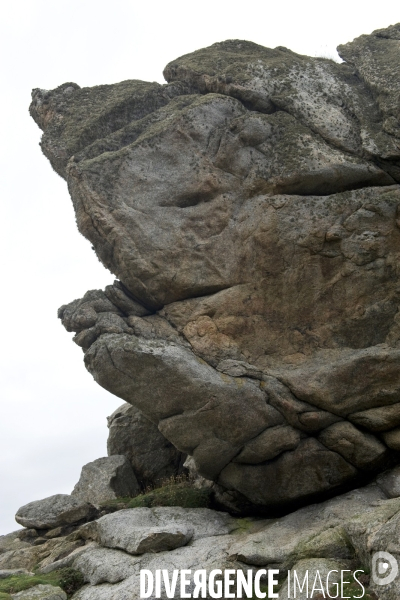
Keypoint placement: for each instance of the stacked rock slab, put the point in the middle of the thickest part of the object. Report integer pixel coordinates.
(250, 209)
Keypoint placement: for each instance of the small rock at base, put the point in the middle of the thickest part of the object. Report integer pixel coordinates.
(389, 482)
(41, 592)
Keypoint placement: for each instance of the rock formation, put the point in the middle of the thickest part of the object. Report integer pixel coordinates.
(341, 533)
(55, 511)
(250, 209)
(152, 457)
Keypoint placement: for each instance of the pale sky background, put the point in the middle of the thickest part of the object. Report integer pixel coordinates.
(53, 415)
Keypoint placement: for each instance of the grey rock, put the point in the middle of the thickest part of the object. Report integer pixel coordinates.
(56, 550)
(311, 532)
(267, 79)
(149, 539)
(368, 532)
(53, 511)
(24, 558)
(269, 444)
(31, 535)
(209, 552)
(323, 536)
(87, 531)
(41, 592)
(250, 211)
(104, 565)
(48, 556)
(106, 479)
(56, 532)
(58, 560)
(196, 480)
(4, 573)
(358, 448)
(299, 414)
(192, 385)
(389, 482)
(303, 473)
(152, 457)
(12, 541)
(375, 58)
(378, 419)
(386, 539)
(375, 532)
(141, 530)
(128, 101)
(392, 438)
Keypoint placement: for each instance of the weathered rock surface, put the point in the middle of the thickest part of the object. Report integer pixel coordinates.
(389, 482)
(314, 531)
(320, 574)
(12, 541)
(105, 565)
(64, 554)
(141, 530)
(54, 511)
(210, 553)
(106, 479)
(152, 457)
(341, 533)
(250, 209)
(41, 592)
(4, 573)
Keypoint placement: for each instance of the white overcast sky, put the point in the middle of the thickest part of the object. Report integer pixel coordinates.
(53, 416)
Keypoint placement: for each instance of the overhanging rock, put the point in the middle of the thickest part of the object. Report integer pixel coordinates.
(250, 209)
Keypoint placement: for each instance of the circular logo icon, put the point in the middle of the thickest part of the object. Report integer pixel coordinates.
(384, 568)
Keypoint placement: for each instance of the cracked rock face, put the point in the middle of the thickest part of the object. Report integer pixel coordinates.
(250, 210)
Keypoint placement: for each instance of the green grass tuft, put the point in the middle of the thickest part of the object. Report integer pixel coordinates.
(176, 491)
(172, 495)
(70, 580)
(67, 579)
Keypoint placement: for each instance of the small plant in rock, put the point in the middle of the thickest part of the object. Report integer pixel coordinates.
(67, 579)
(175, 491)
(70, 580)
(19, 583)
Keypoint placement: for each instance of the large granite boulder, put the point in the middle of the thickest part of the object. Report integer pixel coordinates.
(250, 209)
(54, 511)
(142, 530)
(106, 479)
(153, 458)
